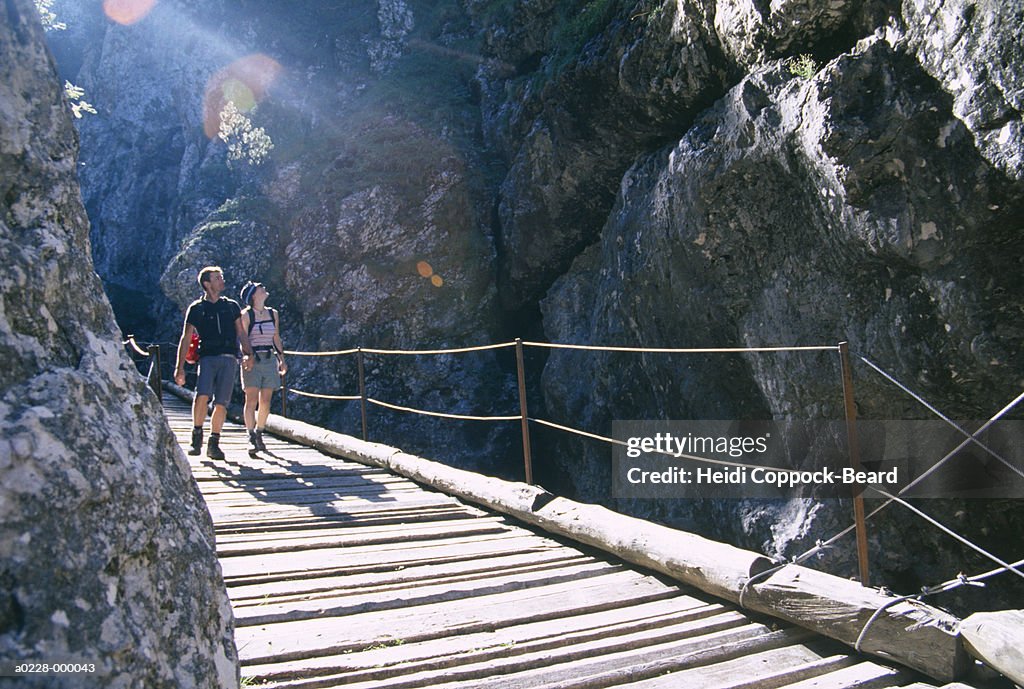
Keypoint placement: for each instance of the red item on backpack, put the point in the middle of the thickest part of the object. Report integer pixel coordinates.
(192, 355)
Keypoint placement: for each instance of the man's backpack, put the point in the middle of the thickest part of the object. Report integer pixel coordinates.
(192, 355)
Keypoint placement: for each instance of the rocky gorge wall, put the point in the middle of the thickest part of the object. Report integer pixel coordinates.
(106, 548)
(607, 172)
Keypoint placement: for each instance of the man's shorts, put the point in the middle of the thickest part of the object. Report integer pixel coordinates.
(217, 377)
(263, 374)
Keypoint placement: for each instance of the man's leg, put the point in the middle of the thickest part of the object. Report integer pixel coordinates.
(224, 382)
(220, 413)
(204, 389)
(198, 419)
(199, 405)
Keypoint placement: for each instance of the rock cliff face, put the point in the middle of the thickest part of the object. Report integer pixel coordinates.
(106, 547)
(651, 173)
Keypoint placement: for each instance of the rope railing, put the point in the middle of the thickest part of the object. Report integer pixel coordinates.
(319, 396)
(682, 350)
(339, 352)
(152, 352)
(442, 415)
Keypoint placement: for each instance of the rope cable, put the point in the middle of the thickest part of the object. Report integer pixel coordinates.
(942, 416)
(677, 350)
(680, 455)
(349, 398)
(1002, 412)
(973, 546)
(135, 346)
(456, 350)
(464, 417)
(955, 583)
(340, 352)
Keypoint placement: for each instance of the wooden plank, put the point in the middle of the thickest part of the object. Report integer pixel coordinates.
(997, 639)
(382, 556)
(452, 651)
(350, 520)
(863, 675)
(453, 572)
(761, 669)
(334, 509)
(524, 666)
(702, 656)
(292, 640)
(352, 602)
(290, 542)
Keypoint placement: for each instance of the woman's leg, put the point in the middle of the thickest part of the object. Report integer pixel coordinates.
(264, 410)
(249, 410)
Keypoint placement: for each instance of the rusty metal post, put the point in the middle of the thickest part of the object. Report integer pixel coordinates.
(853, 446)
(524, 417)
(362, 390)
(153, 352)
(284, 395)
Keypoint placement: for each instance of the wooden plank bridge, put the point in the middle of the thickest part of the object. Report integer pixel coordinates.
(346, 575)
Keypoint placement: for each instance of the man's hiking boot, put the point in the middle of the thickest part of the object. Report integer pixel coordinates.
(213, 450)
(259, 440)
(197, 442)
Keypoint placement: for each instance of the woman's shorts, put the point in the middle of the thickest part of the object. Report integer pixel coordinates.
(263, 374)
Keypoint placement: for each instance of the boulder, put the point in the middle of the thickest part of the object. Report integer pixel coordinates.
(106, 547)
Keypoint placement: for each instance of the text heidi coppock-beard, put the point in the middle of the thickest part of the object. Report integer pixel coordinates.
(722, 459)
(759, 475)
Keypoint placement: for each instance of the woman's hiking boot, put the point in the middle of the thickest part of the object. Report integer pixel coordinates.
(213, 450)
(254, 442)
(197, 442)
(259, 440)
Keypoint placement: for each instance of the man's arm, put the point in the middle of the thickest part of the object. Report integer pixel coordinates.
(183, 343)
(243, 339)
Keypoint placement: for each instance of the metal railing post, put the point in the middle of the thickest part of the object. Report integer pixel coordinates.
(153, 352)
(362, 390)
(524, 417)
(284, 395)
(853, 446)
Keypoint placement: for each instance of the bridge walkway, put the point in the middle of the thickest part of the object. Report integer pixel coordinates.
(341, 574)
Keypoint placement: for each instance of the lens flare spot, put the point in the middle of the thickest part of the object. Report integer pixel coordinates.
(240, 94)
(436, 280)
(424, 269)
(244, 82)
(127, 12)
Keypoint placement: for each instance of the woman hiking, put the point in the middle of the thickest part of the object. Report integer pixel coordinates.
(263, 327)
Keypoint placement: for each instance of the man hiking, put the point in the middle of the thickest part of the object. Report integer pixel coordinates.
(218, 322)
